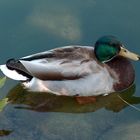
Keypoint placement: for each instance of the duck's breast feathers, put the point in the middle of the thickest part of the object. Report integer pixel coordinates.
(124, 71)
(68, 52)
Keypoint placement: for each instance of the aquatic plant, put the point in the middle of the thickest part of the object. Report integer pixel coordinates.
(4, 101)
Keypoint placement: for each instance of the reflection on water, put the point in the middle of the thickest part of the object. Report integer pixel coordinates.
(58, 21)
(44, 102)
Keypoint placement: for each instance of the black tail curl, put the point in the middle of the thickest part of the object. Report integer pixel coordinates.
(16, 65)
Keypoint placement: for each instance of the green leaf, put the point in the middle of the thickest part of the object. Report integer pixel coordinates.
(3, 103)
(2, 81)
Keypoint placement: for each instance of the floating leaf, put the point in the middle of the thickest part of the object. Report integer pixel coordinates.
(5, 132)
(3, 103)
(2, 81)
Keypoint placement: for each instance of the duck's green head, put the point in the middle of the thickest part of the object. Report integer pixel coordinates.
(108, 47)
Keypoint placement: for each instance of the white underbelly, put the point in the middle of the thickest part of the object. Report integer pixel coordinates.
(97, 84)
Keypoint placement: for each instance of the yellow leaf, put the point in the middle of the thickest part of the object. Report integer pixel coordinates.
(2, 81)
(3, 103)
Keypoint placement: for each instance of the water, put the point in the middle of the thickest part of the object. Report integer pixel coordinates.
(32, 26)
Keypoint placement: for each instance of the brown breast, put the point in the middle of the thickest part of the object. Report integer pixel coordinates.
(124, 70)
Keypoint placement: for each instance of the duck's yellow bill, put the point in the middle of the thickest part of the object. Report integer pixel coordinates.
(125, 53)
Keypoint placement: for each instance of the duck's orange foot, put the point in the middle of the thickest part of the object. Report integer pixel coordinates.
(85, 100)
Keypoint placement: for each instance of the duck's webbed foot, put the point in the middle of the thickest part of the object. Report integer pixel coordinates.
(85, 100)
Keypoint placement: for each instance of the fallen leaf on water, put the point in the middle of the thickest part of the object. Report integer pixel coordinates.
(3, 103)
(2, 81)
(5, 132)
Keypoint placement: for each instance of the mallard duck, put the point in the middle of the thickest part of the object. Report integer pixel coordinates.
(76, 70)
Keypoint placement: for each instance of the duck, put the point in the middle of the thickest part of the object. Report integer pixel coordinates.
(76, 70)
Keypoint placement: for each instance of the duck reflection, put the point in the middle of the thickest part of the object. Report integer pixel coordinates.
(45, 102)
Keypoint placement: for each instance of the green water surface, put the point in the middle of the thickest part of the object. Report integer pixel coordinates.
(31, 26)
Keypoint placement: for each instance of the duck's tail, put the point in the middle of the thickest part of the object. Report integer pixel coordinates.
(15, 70)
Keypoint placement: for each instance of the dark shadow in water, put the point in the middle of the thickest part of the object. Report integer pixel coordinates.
(5, 132)
(44, 102)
